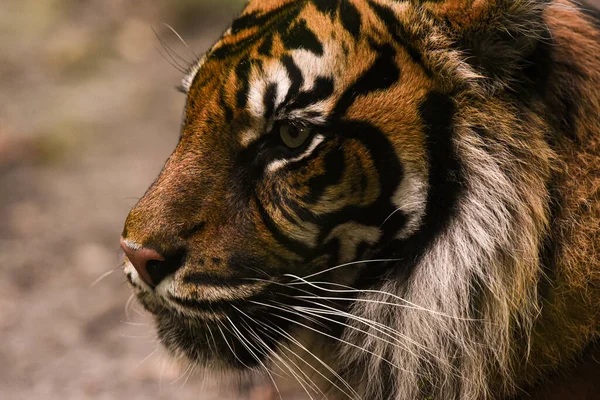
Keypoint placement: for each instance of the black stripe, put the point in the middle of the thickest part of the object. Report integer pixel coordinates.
(300, 36)
(445, 172)
(281, 201)
(276, 21)
(194, 230)
(269, 100)
(266, 47)
(327, 7)
(254, 20)
(389, 172)
(292, 245)
(225, 105)
(322, 90)
(549, 248)
(207, 279)
(296, 78)
(248, 21)
(446, 182)
(398, 32)
(350, 18)
(242, 72)
(335, 165)
(381, 75)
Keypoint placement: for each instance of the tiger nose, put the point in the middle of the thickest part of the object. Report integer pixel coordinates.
(147, 262)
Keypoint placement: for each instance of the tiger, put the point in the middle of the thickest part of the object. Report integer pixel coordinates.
(382, 199)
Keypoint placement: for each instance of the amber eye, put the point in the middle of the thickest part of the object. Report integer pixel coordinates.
(294, 136)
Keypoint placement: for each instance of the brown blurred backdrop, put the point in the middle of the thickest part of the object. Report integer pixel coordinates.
(88, 114)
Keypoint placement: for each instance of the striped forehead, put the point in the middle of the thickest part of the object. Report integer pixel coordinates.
(298, 86)
(298, 61)
(266, 28)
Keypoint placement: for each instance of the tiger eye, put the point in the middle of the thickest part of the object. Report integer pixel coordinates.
(294, 136)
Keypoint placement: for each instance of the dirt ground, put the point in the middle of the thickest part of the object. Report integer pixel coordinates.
(88, 114)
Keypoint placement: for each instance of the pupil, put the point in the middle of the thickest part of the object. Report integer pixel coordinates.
(293, 132)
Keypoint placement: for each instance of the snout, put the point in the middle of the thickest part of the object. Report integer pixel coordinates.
(151, 266)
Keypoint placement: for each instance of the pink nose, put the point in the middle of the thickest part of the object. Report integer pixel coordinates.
(141, 259)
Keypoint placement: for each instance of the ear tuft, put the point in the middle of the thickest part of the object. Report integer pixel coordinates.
(496, 35)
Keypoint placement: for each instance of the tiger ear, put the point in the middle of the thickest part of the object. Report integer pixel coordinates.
(496, 35)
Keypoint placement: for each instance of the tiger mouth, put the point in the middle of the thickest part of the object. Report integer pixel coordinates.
(236, 334)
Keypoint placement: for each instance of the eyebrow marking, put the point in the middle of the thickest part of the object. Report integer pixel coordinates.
(278, 164)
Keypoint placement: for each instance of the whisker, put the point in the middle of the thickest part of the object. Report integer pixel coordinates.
(414, 203)
(318, 359)
(134, 323)
(286, 286)
(243, 341)
(189, 376)
(301, 381)
(396, 342)
(181, 39)
(345, 265)
(128, 305)
(408, 304)
(291, 338)
(260, 271)
(172, 53)
(337, 339)
(291, 308)
(230, 348)
(104, 276)
(374, 324)
(168, 59)
(147, 357)
(137, 336)
(306, 378)
(381, 328)
(311, 384)
(182, 375)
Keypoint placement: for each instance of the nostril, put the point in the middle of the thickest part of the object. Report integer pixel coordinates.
(151, 266)
(160, 269)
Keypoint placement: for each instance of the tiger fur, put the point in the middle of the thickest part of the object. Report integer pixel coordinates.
(435, 234)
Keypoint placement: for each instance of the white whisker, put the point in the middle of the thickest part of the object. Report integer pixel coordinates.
(277, 356)
(246, 343)
(103, 276)
(279, 330)
(147, 357)
(335, 338)
(345, 265)
(301, 381)
(349, 289)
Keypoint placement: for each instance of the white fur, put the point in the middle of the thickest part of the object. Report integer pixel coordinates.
(351, 235)
(187, 80)
(411, 199)
(278, 164)
(489, 252)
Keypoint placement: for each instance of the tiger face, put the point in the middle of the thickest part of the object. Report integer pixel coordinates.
(303, 153)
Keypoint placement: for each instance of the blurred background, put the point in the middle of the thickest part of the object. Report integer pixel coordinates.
(88, 114)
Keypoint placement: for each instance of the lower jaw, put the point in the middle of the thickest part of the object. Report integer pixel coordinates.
(209, 343)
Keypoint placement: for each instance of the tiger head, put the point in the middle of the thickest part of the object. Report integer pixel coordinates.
(303, 149)
(319, 154)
